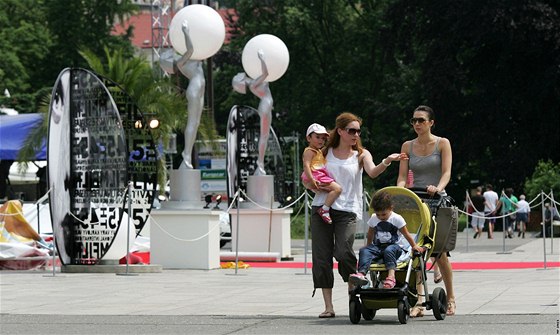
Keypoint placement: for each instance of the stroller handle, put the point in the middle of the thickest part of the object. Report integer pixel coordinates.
(433, 201)
(421, 192)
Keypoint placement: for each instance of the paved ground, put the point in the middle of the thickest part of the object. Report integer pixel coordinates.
(520, 300)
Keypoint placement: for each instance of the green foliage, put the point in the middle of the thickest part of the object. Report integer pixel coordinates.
(156, 97)
(490, 72)
(546, 178)
(39, 38)
(24, 45)
(80, 25)
(297, 227)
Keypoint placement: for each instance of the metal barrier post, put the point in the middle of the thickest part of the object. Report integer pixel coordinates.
(128, 233)
(543, 228)
(504, 237)
(306, 225)
(237, 233)
(552, 212)
(467, 203)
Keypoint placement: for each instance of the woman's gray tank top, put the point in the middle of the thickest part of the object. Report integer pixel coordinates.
(426, 169)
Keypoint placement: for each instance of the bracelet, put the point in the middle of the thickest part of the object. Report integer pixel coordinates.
(385, 164)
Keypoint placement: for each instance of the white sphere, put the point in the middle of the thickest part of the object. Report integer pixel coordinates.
(206, 29)
(276, 57)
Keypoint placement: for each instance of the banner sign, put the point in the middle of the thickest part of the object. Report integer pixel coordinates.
(98, 142)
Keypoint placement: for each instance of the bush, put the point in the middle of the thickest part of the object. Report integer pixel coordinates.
(297, 224)
(545, 178)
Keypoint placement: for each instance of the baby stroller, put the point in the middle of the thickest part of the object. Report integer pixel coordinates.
(411, 267)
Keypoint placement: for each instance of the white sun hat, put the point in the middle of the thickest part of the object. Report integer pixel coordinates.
(317, 129)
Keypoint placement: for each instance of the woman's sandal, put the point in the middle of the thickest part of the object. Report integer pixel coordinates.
(326, 315)
(437, 277)
(389, 282)
(417, 311)
(451, 307)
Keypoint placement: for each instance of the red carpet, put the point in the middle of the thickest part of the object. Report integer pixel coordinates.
(145, 256)
(455, 265)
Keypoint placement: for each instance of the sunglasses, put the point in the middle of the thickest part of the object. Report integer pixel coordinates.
(353, 131)
(419, 120)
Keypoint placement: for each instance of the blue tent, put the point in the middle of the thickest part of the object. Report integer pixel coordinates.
(14, 130)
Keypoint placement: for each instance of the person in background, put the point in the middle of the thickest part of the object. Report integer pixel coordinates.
(477, 221)
(490, 208)
(346, 162)
(550, 214)
(513, 217)
(430, 160)
(523, 215)
(507, 206)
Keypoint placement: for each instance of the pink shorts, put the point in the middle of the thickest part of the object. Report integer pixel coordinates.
(320, 175)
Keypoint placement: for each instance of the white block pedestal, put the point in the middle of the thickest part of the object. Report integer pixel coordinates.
(261, 231)
(171, 235)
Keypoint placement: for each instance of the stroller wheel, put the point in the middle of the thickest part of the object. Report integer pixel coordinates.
(439, 303)
(368, 314)
(355, 310)
(403, 311)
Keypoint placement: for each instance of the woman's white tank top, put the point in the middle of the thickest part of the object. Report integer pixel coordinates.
(348, 174)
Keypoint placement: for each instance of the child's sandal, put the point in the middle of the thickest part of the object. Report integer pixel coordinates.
(389, 282)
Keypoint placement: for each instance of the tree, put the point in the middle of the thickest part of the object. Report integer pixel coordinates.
(546, 178)
(155, 96)
(491, 71)
(24, 46)
(84, 25)
(336, 65)
(39, 38)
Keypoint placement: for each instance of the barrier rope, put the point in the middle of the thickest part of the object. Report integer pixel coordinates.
(272, 209)
(200, 237)
(182, 239)
(38, 202)
(496, 217)
(237, 195)
(551, 199)
(18, 212)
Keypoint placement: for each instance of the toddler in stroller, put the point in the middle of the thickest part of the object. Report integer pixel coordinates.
(393, 283)
(384, 240)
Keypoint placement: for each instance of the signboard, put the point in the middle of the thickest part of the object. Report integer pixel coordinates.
(98, 143)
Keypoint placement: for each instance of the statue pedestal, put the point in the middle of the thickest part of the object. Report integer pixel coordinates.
(260, 228)
(174, 239)
(185, 190)
(260, 189)
(261, 231)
